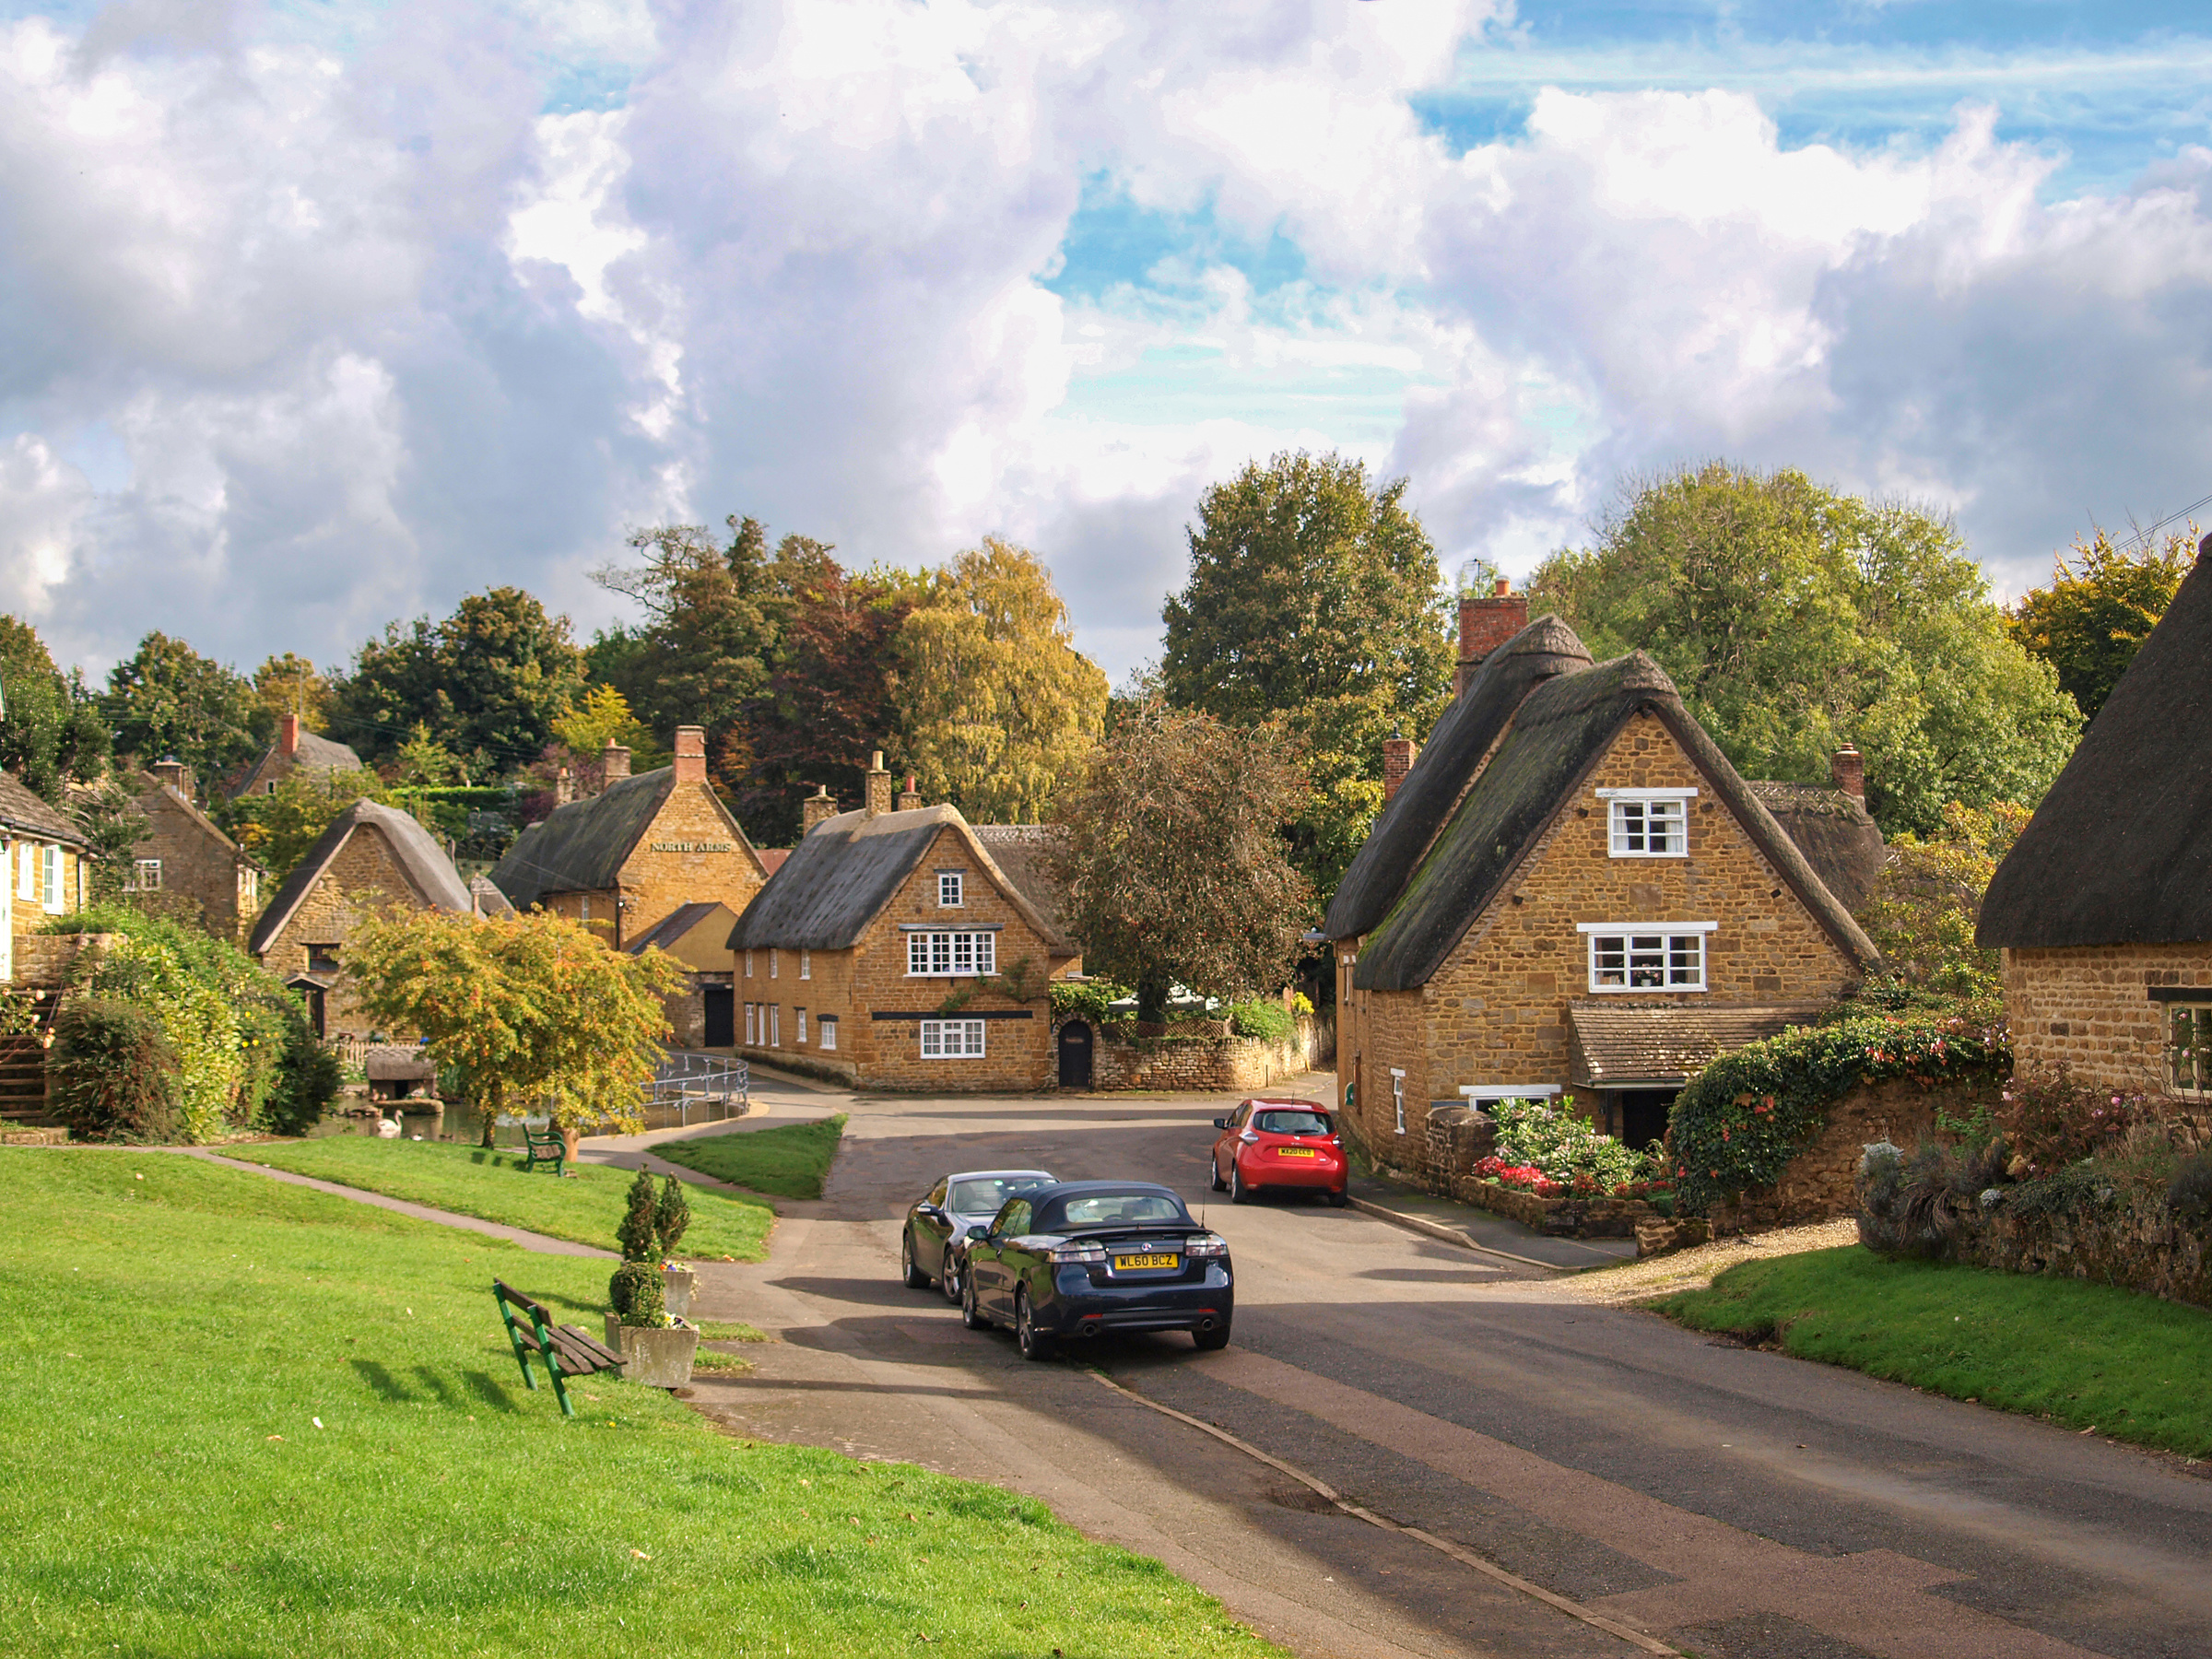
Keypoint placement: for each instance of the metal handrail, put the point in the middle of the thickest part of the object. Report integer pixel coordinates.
(685, 1078)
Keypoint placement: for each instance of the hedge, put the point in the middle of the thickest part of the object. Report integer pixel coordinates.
(1741, 1119)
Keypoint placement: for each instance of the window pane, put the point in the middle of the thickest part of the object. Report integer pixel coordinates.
(1610, 959)
(826, 1034)
(940, 953)
(986, 953)
(933, 1038)
(1647, 961)
(1665, 831)
(917, 953)
(1686, 960)
(963, 953)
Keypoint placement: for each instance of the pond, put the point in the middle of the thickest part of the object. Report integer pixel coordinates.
(430, 1120)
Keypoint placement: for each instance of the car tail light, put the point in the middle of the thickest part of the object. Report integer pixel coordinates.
(1064, 1255)
(1206, 1245)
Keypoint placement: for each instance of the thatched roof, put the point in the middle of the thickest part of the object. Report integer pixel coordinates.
(2120, 851)
(1381, 869)
(1835, 832)
(1561, 731)
(839, 878)
(24, 811)
(582, 847)
(1630, 1046)
(1019, 850)
(490, 901)
(421, 860)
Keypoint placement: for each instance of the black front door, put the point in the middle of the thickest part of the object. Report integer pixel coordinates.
(1643, 1115)
(1075, 1055)
(722, 1016)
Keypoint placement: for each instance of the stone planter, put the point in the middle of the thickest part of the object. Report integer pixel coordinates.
(678, 1286)
(659, 1359)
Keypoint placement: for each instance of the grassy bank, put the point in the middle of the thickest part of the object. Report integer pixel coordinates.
(789, 1160)
(499, 1186)
(168, 1344)
(2080, 1354)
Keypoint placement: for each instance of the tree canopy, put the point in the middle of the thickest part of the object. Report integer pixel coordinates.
(485, 683)
(166, 698)
(52, 731)
(2100, 606)
(1922, 912)
(1314, 597)
(281, 827)
(1174, 860)
(1795, 619)
(997, 706)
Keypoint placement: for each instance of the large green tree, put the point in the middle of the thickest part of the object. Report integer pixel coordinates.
(1795, 619)
(486, 684)
(2100, 606)
(167, 700)
(1313, 597)
(1174, 860)
(997, 706)
(52, 731)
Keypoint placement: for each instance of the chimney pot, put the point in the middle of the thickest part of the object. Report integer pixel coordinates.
(1485, 622)
(817, 809)
(878, 785)
(1398, 756)
(1848, 770)
(909, 799)
(1502, 589)
(287, 735)
(614, 762)
(690, 754)
(171, 772)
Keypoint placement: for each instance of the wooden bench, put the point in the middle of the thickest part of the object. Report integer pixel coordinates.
(548, 1147)
(566, 1351)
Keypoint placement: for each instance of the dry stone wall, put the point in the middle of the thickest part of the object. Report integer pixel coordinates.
(1209, 1064)
(1821, 1182)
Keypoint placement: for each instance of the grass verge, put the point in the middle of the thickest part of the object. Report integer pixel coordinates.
(497, 1185)
(2080, 1354)
(170, 1331)
(789, 1160)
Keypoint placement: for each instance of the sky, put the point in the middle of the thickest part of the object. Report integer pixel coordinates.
(315, 315)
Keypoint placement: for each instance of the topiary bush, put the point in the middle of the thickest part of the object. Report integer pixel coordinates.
(113, 1075)
(671, 1215)
(639, 1235)
(636, 1295)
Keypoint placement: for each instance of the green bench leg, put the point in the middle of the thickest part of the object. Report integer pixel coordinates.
(560, 1389)
(522, 1356)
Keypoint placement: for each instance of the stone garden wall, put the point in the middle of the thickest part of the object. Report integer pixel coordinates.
(1211, 1062)
(1821, 1181)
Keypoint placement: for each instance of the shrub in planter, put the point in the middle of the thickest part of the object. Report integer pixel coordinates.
(671, 1215)
(636, 1296)
(112, 1075)
(638, 1235)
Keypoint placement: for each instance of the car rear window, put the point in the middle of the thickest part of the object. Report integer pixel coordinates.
(1290, 1122)
(1115, 1209)
(984, 1197)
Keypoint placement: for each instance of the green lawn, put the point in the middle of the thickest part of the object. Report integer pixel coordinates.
(788, 1160)
(2082, 1354)
(585, 1205)
(167, 1343)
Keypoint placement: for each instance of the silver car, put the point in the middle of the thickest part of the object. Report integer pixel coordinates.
(933, 1242)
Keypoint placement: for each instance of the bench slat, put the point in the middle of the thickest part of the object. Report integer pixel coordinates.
(588, 1343)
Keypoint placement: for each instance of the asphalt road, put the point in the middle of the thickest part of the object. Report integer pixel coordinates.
(1728, 1501)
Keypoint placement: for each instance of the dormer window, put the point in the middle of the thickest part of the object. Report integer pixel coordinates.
(1648, 823)
(948, 889)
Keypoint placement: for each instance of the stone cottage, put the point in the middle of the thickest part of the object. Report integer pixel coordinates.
(631, 854)
(702, 1011)
(371, 857)
(184, 865)
(892, 951)
(45, 869)
(1571, 892)
(2103, 907)
(296, 750)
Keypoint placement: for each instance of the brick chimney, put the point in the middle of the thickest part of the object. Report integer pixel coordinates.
(287, 735)
(878, 782)
(910, 798)
(817, 808)
(691, 755)
(1485, 622)
(171, 772)
(1398, 755)
(614, 763)
(1848, 769)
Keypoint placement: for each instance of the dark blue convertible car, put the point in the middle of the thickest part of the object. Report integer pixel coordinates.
(1085, 1257)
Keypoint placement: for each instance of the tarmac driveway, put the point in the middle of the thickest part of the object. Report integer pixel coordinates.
(1536, 1471)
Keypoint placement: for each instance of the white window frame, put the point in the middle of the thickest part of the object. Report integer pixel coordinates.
(1475, 1094)
(1397, 1095)
(775, 1025)
(145, 876)
(825, 1034)
(806, 964)
(26, 872)
(771, 962)
(51, 898)
(1668, 937)
(583, 908)
(2199, 1050)
(752, 1025)
(950, 889)
(1622, 829)
(748, 964)
(954, 1038)
(802, 1030)
(957, 955)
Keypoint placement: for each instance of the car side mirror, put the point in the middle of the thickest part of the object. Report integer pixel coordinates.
(1220, 1123)
(978, 1231)
(927, 1209)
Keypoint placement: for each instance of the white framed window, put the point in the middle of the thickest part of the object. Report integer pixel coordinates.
(51, 897)
(145, 876)
(801, 1025)
(771, 962)
(1651, 956)
(952, 1039)
(825, 1031)
(951, 955)
(775, 1025)
(806, 964)
(26, 872)
(748, 964)
(1397, 1095)
(583, 908)
(948, 889)
(1648, 823)
(2189, 1048)
(752, 1025)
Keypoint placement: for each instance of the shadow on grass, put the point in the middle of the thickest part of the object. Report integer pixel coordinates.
(382, 1382)
(490, 1392)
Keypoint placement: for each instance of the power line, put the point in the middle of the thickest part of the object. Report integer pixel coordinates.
(2144, 535)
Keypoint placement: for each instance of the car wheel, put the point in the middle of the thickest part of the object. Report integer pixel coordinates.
(1339, 1198)
(914, 1276)
(1238, 1192)
(949, 1277)
(971, 1315)
(1034, 1344)
(1208, 1341)
(1219, 1185)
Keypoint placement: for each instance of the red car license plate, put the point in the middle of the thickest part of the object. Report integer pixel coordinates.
(1296, 1152)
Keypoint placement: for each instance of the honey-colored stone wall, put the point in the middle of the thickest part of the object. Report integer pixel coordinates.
(1496, 1013)
(363, 878)
(26, 916)
(201, 875)
(691, 853)
(827, 989)
(2089, 1008)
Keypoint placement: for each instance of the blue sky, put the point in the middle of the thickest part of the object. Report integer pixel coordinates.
(314, 314)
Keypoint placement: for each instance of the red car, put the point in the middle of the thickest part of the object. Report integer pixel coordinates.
(1279, 1143)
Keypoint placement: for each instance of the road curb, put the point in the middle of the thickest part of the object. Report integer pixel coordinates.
(1450, 1235)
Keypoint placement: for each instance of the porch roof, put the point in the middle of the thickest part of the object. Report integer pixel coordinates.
(1640, 1047)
